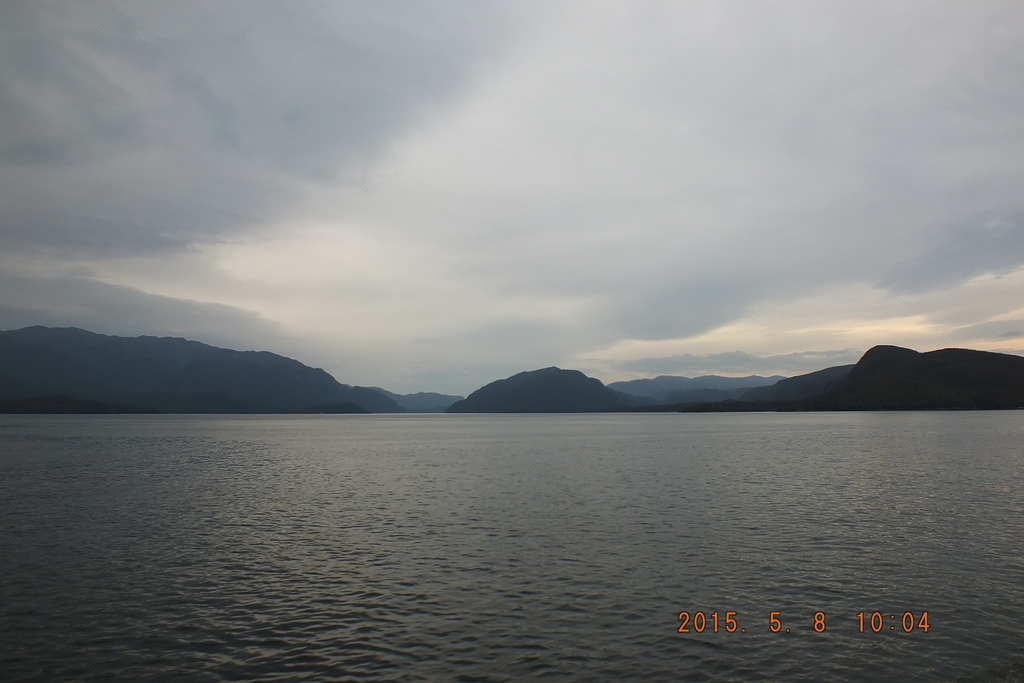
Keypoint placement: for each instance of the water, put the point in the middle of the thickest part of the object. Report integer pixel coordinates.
(492, 548)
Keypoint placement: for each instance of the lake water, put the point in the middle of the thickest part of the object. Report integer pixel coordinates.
(512, 547)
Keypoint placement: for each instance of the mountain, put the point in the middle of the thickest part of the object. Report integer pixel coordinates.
(59, 404)
(550, 390)
(165, 374)
(894, 378)
(345, 408)
(800, 386)
(421, 402)
(674, 389)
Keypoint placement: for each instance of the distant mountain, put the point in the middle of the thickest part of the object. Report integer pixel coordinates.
(894, 378)
(59, 404)
(346, 408)
(164, 374)
(800, 386)
(550, 390)
(421, 402)
(674, 389)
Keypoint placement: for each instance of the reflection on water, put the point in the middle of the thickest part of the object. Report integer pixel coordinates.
(494, 548)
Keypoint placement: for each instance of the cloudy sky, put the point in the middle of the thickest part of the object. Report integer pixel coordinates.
(434, 195)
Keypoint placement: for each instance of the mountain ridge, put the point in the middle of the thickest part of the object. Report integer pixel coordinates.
(676, 389)
(800, 386)
(548, 390)
(167, 374)
(895, 378)
(421, 401)
(72, 370)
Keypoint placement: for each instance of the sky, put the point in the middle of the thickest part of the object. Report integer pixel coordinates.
(429, 196)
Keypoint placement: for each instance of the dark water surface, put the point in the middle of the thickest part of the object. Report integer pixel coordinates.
(492, 548)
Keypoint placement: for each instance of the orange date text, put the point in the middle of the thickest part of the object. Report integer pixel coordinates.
(731, 622)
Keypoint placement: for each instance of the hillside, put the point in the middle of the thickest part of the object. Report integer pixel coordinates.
(550, 390)
(894, 378)
(421, 402)
(800, 386)
(164, 374)
(675, 389)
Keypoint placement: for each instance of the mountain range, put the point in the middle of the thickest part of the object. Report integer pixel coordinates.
(800, 386)
(893, 378)
(71, 370)
(550, 390)
(421, 402)
(672, 389)
(68, 370)
(885, 378)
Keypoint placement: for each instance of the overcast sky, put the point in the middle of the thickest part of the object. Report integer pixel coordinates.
(433, 195)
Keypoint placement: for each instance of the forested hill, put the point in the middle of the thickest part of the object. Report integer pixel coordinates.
(675, 389)
(893, 378)
(71, 370)
(550, 390)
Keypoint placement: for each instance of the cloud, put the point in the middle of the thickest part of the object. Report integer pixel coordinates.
(735, 363)
(129, 127)
(996, 330)
(985, 247)
(465, 189)
(111, 309)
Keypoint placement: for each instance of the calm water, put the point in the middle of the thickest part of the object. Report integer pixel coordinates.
(491, 548)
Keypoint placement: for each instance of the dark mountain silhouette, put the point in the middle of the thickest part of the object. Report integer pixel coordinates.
(800, 386)
(346, 408)
(68, 370)
(421, 402)
(674, 389)
(166, 374)
(550, 390)
(58, 404)
(894, 378)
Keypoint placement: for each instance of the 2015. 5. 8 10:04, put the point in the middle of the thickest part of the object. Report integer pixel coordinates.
(699, 622)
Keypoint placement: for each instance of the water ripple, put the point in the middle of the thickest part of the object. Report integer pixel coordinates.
(476, 548)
